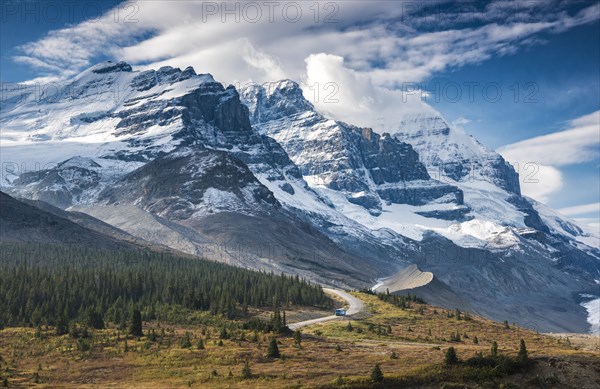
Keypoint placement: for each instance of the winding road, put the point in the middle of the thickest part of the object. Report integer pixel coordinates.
(354, 306)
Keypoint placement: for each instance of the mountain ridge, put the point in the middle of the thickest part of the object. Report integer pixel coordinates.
(203, 164)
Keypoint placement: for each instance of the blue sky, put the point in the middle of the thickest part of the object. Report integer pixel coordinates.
(28, 21)
(547, 48)
(562, 75)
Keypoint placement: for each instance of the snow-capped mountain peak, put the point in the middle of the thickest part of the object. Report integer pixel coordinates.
(450, 153)
(175, 157)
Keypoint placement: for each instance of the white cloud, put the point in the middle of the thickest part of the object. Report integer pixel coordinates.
(539, 181)
(539, 157)
(461, 121)
(590, 225)
(68, 50)
(581, 209)
(388, 44)
(262, 61)
(351, 96)
(578, 143)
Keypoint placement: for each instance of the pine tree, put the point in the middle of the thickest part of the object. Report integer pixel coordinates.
(377, 374)
(246, 371)
(224, 334)
(273, 349)
(94, 319)
(152, 335)
(475, 340)
(450, 358)
(522, 356)
(349, 327)
(298, 338)
(135, 328)
(185, 342)
(62, 327)
(278, 322)
(494, 349)
(200, 344)
(393, 355)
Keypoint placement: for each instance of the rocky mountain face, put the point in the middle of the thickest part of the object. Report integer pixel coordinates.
(190, 182)
(67, 183)
(453, 154)
(473, 227)
(258, 178)
(370, 169)
(174, 149)
(440, 171)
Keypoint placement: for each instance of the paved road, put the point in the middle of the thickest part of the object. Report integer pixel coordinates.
(354, 306)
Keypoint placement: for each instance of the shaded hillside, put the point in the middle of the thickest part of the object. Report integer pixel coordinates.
(24, 223)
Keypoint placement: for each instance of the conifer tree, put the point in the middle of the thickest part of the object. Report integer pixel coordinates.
(450, 358)
(522, 356)
(94, 319)
(494, 349)
(273, 349)
(246, 371)
(62, 326)
(135, 327)
(377, 374)
(298, 338)
(185, 342)
(224, 334)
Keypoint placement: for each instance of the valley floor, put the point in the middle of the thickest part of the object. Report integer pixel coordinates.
(408, 343)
